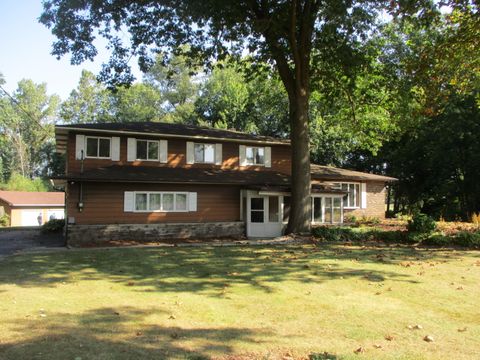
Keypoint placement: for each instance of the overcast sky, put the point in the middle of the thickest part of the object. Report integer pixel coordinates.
(25, 47)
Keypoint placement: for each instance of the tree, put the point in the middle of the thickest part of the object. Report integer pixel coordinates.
(173, 78)
(138, 102)
(289, 34)
(26, 120)
(88, 103)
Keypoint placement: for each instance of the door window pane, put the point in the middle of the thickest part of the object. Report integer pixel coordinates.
(317, 210)
(92, 147)
(142, 149)
(141, 202)
(181, 202)
(337, 210)
(328, 209)
(256, 210)
(273, 209)
(152, 150)
(167, 202)
(155, 202)
(286, 208)
(256, 203)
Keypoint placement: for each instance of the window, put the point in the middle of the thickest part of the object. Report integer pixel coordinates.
(352, 199)
(204, 153)
(98, 147)
(147, 150)
(327, 209)
(255, 155)
(161, 201)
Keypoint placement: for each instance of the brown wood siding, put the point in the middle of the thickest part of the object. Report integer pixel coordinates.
(281, 155)
(103, 204)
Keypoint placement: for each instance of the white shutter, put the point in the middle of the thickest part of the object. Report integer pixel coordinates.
(218, 154)
(268, 156)
(115, 148)
(192, 201)
(131, 149)
(190, 158)
(128, 201)
(163, 151)
(79, 147)
(242, 155)
(363, 203)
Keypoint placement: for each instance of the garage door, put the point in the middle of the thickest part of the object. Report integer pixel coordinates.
(30, 217)
(55, 214)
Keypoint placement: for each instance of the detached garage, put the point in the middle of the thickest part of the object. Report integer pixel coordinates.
(31, 208)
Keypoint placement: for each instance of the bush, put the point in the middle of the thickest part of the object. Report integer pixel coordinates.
(421, 224)
(336, 234)
(54, 225)
(350, 219)
(4, 220)
(438, 240)
(467, 239)
(476, 218)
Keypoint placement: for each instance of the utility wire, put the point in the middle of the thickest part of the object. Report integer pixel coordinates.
(35, 120)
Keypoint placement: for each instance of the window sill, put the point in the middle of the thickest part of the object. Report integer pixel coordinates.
(98, 157)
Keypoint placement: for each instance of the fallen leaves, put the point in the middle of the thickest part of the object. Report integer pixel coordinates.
(389, 337)
(428, 338)
(462, 329)
(359, 350)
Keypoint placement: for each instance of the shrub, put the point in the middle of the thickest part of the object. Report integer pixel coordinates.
(4, 220)
(372, 220)
(54, 225)
(422, 224)
(350, 219)
(467, 239)
(438, 240)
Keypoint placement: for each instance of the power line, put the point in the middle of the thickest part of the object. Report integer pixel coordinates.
(35, 120)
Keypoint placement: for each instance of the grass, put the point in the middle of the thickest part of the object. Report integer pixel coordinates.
(242, 302)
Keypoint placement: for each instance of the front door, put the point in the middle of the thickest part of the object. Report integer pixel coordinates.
(264, 218)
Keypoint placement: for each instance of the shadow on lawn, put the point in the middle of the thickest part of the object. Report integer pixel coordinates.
(207, 269)
(119, 333)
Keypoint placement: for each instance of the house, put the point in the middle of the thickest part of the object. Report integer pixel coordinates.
(145, 181)
(25, 208)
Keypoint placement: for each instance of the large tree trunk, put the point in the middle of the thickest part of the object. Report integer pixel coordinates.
(300, 214)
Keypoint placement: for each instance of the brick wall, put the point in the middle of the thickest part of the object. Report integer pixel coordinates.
(376, 194)
(82, 235)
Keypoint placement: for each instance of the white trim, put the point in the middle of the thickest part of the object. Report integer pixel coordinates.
(192, 201)
(267, 156)
(79, 147)
(131, 149)
(128, 201)
(163, 149)
(98, 147)
(363, 200)
(115, 155)
(190, 156)
(218, 154)
(173, 136)
(242, 151)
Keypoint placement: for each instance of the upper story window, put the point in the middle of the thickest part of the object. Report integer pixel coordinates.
(98, 147)
(352, 199)
(204, 153)
(147, 150)
(254, 155)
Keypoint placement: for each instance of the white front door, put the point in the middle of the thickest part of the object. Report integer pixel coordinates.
(263, 216)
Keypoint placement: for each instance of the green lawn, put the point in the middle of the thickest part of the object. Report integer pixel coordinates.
(252, 302)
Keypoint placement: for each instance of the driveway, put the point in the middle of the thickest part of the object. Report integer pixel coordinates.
(12, 241)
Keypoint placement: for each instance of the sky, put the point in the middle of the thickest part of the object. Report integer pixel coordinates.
(25, 47)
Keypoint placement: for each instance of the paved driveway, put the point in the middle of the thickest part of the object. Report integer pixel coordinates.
(12, 241)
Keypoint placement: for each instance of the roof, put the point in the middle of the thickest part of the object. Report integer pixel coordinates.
(119, 173)
(321, 172)
(31, 198)
(165, 130)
